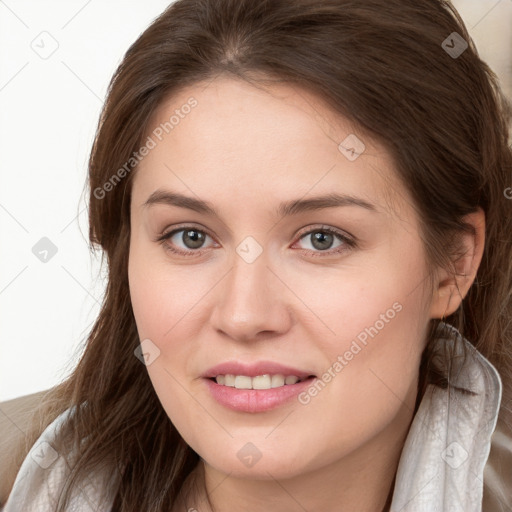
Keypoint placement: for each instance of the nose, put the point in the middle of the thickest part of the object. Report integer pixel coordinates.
(252, 301)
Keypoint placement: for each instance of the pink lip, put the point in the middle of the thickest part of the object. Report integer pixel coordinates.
(254, 369)
(255, 400)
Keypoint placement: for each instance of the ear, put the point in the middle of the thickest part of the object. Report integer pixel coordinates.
(451, 289)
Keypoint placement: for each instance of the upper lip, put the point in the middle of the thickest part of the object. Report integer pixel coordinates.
(254, 369)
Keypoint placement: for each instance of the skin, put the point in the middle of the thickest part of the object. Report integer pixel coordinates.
(245, 150)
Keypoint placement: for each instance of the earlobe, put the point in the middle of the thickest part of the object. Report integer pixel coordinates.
(452, 287)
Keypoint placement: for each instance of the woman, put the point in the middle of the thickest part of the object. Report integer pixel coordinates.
(304, 211)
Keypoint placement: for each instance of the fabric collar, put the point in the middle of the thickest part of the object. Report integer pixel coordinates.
(442, 462)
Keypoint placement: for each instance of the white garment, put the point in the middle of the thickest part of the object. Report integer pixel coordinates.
(43, 474)
(441, 468)
(442, 464)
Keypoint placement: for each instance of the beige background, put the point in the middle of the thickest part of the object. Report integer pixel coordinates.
(489, 23)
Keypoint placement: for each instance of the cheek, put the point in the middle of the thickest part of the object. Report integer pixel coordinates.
(157, 293)
(376, 347)
(385, 304)
(370, 325)
(158, 308)
(167, 317)
(369, 383)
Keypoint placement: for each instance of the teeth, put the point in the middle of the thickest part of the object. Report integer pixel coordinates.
(243, 382)
(229, 380)
(278, 380)
(260, 382)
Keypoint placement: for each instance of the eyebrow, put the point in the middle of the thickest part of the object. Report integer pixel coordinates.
(287, 208)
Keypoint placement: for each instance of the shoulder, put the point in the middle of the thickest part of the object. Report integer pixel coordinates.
(498, 473)
(16, 415)
(43, 475)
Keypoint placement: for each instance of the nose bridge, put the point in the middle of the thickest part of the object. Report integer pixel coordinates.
(249, 300)
(247, 286)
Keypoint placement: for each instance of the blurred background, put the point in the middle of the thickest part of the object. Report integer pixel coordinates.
(489, 23)
(56, 60)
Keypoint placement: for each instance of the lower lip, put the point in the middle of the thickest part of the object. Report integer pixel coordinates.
(255, 400)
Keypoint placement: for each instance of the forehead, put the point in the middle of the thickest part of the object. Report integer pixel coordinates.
(279, 141)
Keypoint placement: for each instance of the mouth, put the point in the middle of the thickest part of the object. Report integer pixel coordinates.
(258, 382)
(257, 394)
(256, 386)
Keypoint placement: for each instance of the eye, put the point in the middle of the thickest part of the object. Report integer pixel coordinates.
(323, 238)
(190, 237)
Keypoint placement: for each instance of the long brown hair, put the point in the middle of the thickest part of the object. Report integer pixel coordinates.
(381, 64)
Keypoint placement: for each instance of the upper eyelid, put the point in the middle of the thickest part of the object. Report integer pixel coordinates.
(324, 227)
(184, 227)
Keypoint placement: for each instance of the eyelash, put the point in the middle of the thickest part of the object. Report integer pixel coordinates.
(348, 243)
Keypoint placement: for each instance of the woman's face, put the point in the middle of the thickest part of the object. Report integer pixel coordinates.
(259, 279)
